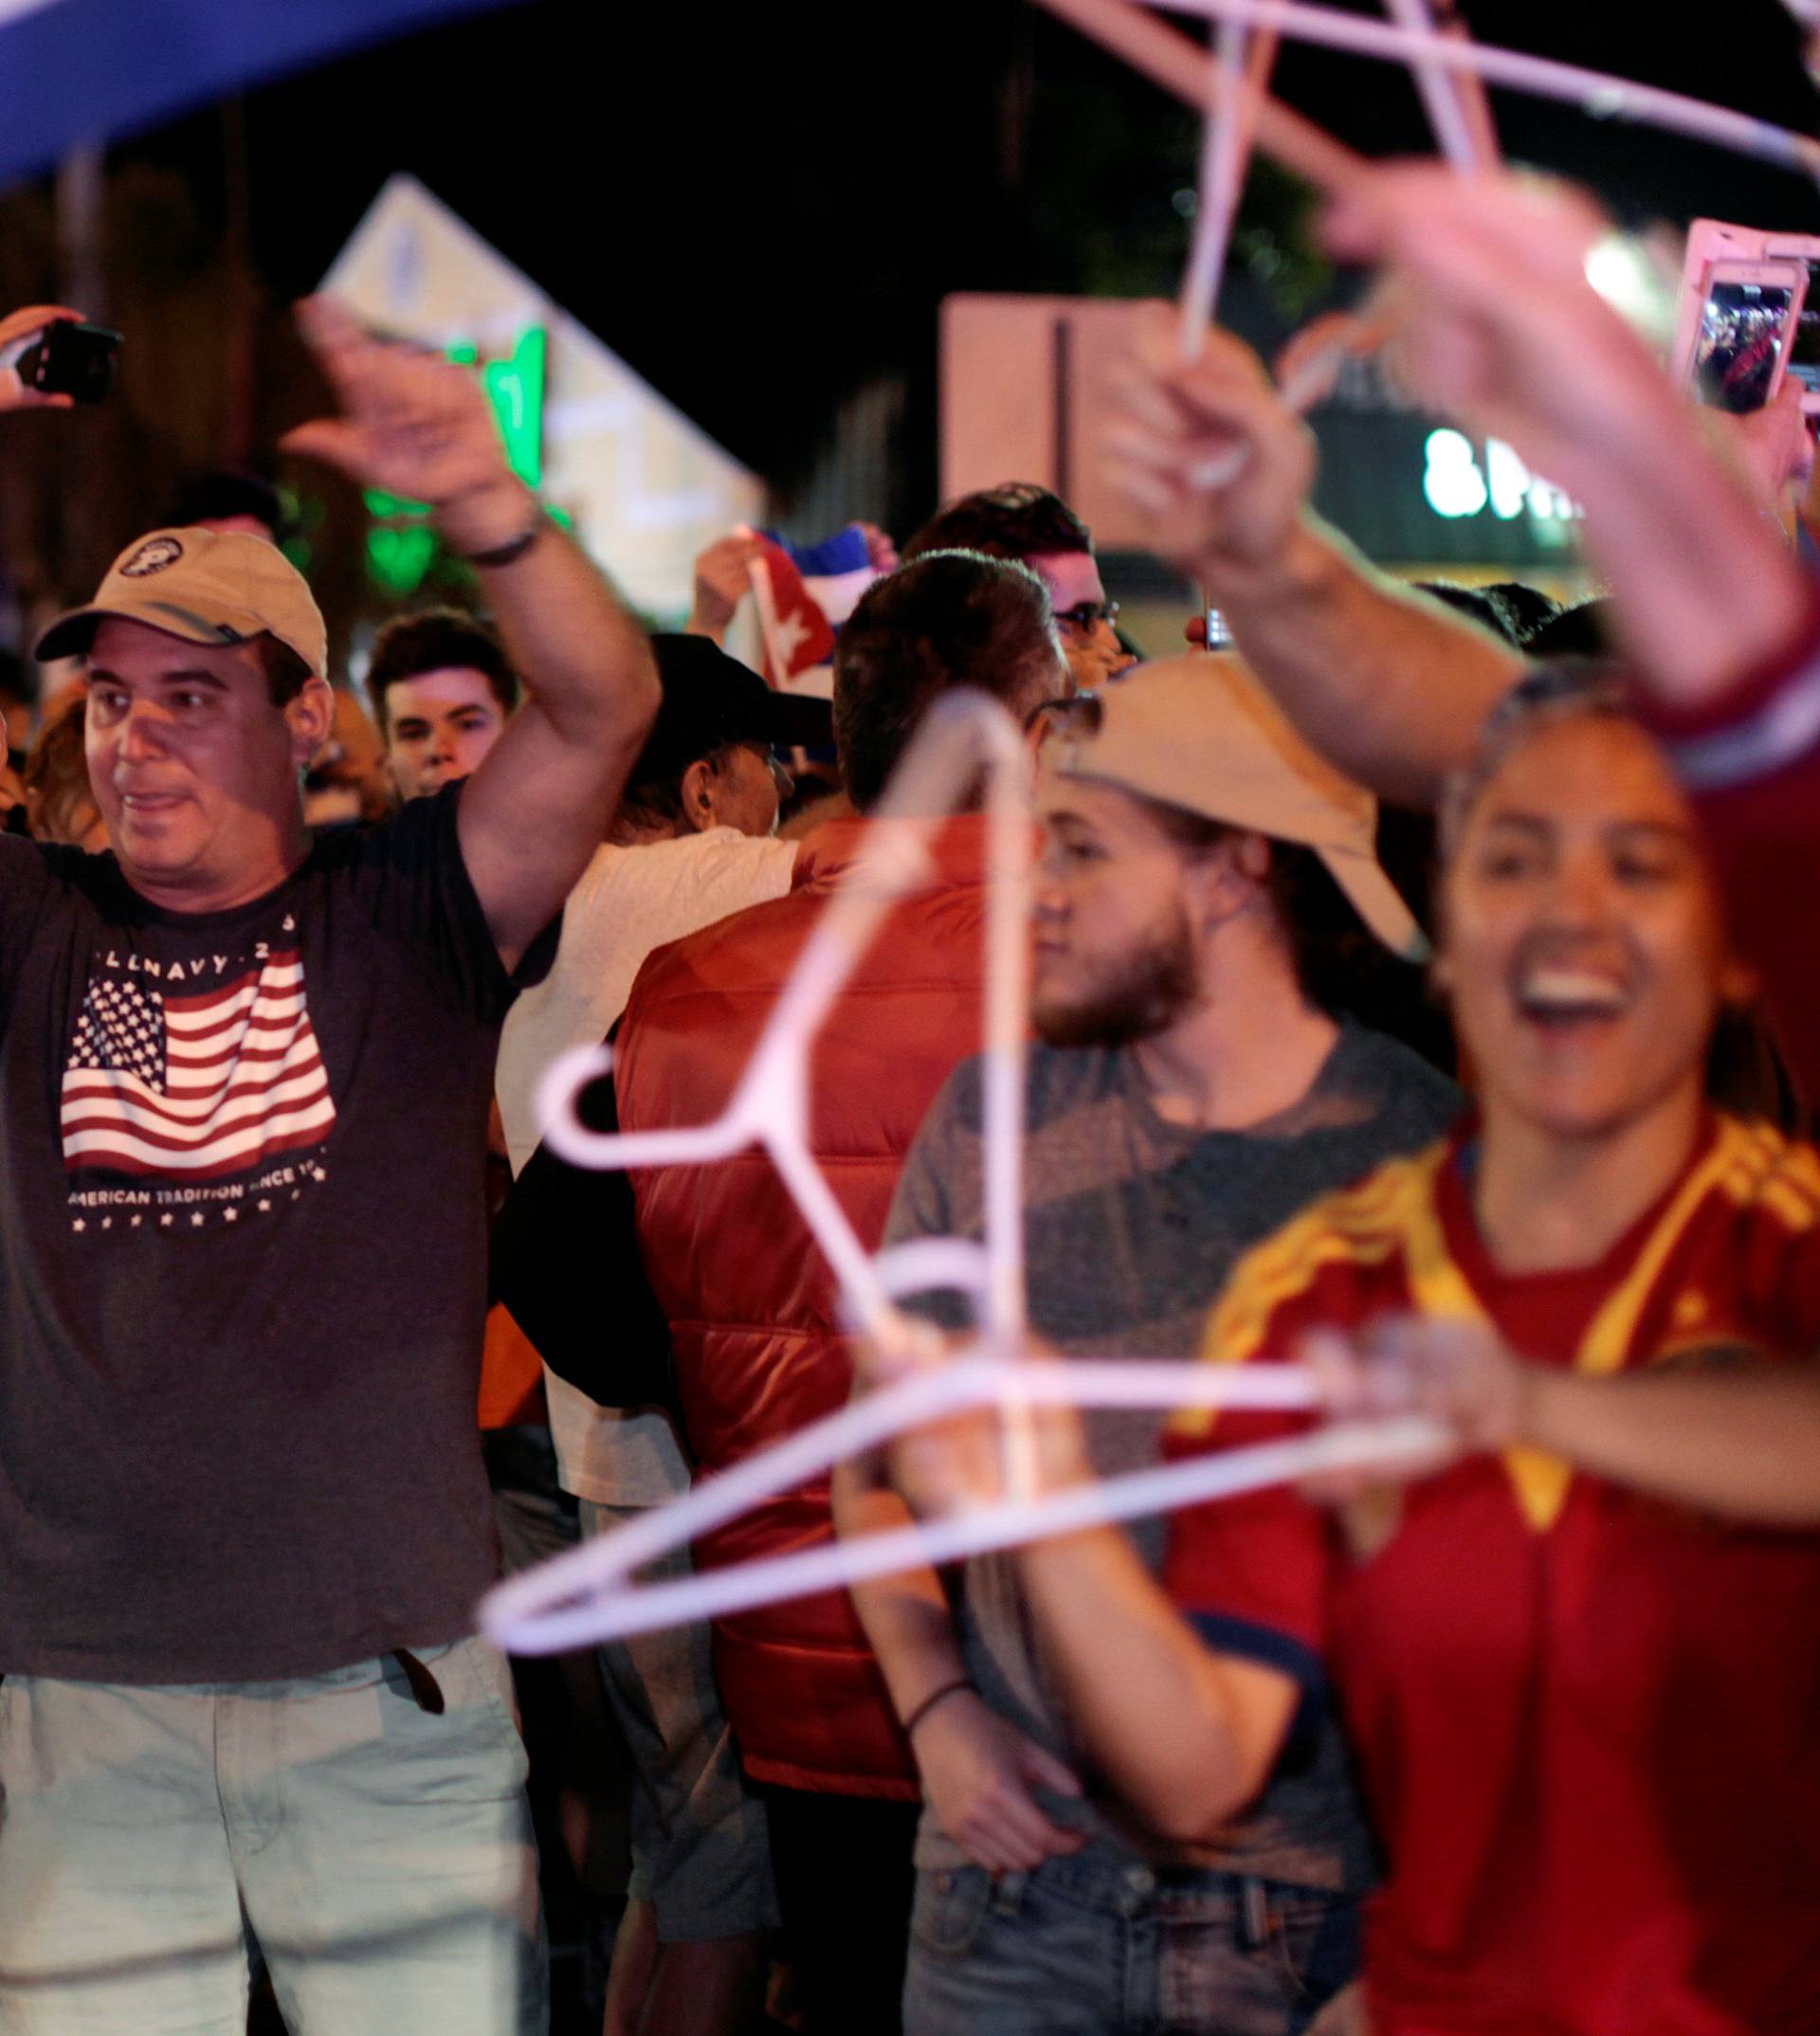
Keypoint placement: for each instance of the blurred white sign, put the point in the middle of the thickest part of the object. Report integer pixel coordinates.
(646, 489)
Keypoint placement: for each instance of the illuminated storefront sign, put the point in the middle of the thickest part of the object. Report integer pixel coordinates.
(401, 546)
(1456, 484)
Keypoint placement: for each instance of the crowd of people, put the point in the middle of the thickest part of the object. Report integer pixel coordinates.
(1417, 995)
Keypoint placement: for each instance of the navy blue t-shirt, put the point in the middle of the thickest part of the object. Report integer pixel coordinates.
(243, 1262)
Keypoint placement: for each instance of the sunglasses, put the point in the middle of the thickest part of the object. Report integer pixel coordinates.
(1084, 615)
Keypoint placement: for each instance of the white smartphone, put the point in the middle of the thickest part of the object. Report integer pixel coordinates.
(1748, 318)
(1708, 241)
(1803, 361)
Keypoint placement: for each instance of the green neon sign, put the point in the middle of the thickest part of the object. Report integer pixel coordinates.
(402, 547)
(516, 389)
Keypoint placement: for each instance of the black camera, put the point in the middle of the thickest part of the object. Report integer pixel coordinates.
(71, 359)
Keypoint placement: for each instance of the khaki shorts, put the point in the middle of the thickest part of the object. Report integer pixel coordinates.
(380, 1854)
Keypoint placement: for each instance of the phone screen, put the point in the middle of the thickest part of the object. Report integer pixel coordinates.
(1804, 351)
(1740, 344)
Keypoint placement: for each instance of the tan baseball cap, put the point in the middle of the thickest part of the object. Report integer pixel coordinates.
(1200, 733)
(206, 586)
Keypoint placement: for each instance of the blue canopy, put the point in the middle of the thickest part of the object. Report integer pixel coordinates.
(73, 71)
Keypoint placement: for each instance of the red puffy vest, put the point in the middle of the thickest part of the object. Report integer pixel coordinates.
(750, 1299)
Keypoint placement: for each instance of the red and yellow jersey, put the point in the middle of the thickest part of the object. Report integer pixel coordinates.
(1588, 1724)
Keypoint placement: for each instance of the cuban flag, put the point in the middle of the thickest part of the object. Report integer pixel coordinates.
(804, 593)
(74, 72)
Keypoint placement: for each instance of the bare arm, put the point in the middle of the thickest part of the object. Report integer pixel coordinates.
(977, 1771)
(1390, 685)
(538, 806)
(905, 1616)
(1714, 610)
(539, 803)
(1188, 1737)
(1742, 1441)
(18, 328)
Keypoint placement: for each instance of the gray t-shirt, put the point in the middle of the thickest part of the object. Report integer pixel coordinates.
(243, 1234)
(1131, 1226)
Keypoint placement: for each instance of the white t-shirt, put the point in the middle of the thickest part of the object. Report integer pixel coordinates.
(627, 901)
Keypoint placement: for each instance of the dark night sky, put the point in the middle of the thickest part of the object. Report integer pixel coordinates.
(760, 209)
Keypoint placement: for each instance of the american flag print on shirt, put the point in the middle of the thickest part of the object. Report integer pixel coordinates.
(194, 1085)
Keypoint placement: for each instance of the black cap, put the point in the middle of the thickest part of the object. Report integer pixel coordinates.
(711, 700)
(214, 496)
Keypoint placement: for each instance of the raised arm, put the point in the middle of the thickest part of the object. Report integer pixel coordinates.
(1503, 332)
(538, 806)
(1390, 685)
(1719, 621)
(722, 580)
(18, 328)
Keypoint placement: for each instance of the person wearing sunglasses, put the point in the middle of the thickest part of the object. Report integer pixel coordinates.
(1025, 522)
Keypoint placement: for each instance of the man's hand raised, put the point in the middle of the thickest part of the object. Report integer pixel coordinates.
(1496, 324)
(1501, 329)
(1217, 467)
(539, 803)
(722, 580)
(412, 423)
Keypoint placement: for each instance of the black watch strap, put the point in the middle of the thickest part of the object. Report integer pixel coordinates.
(513, 549)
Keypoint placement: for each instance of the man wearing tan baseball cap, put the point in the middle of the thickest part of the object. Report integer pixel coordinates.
(1201, 735)
(243, 1080)
(1206, 899)
(205, 587)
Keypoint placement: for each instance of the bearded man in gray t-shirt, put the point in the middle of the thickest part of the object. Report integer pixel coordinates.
(1205, 914)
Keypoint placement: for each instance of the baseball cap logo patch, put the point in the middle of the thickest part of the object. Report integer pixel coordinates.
(154, 555)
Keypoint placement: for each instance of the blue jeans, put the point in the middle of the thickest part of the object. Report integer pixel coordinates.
(1098, 1945)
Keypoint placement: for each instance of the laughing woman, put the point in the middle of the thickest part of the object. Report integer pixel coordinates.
(1586, 1713)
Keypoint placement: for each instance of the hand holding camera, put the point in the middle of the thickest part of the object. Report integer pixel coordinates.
(50, 358)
